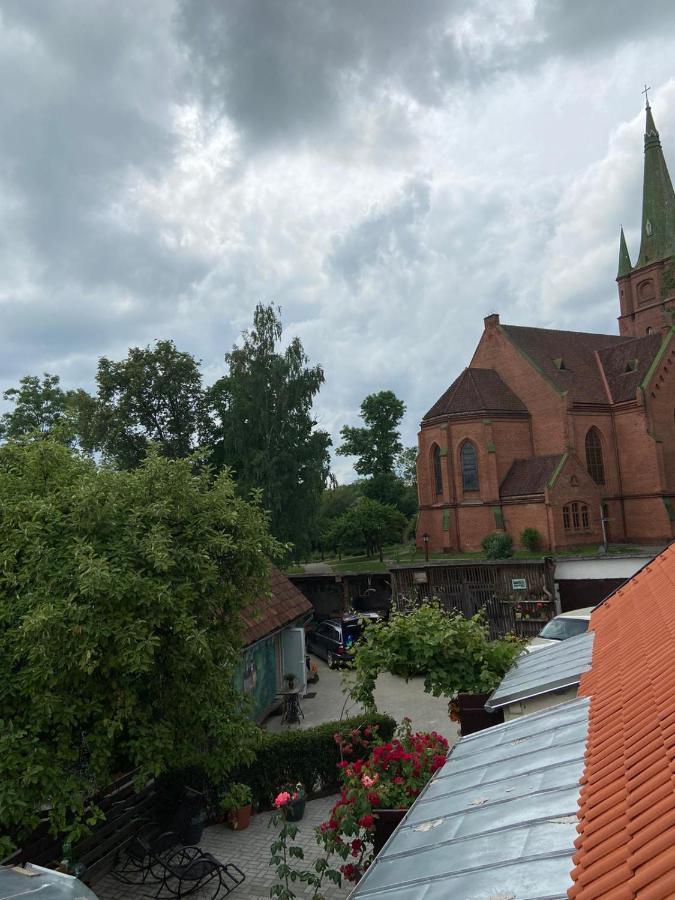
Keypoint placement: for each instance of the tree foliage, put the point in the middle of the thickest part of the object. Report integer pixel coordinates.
(368, 524)
(41, 406)
(119, 624)
(155, 396)
(266, 431)
(377, 443)
(498, 545)
(453, 653)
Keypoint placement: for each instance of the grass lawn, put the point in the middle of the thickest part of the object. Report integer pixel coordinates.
(400, 554)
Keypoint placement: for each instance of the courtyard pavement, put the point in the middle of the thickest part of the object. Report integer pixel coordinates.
(327, 701)
(250, 850)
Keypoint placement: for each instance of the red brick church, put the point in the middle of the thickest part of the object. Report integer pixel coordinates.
(558, 430)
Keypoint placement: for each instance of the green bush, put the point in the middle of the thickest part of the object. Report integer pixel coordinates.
(530, 539)
(310, 755)
(498, 545)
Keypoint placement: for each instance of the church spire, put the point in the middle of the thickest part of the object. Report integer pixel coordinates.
(625, 264)
(658, 201)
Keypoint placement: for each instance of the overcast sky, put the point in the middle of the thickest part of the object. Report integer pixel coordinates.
(388, 172)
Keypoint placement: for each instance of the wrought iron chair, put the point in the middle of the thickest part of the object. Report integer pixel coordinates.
(150, 859)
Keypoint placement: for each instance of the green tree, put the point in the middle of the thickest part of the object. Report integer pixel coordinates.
(378, 443)
(405, 467)
(120, 594)
(41, 406)
(156, 396)
(369, 525)
(266, 431)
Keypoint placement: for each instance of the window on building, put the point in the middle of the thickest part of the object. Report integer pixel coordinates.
(575, 517)
(469, 465)
(438, 471)
(594, 460)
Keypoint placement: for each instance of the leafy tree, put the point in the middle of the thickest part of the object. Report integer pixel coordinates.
(377, 444)
(41, 406)
(392, 491)
(120, 594)
(453, 653)
(369, 524)
(405, 467)
(267, 433)
(155, 395)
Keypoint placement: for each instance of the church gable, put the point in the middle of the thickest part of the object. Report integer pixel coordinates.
(625, 365)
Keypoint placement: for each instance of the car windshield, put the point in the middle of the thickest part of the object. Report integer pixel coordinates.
(351, 633)
(560, 629)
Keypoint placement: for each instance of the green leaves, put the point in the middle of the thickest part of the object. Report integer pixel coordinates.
(453, 653)
(377, 444)
(265, 429)
(119, 624)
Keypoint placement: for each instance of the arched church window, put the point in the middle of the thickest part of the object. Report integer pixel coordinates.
(469, 465)
(575, 517)
(594, 461)
(438, 471)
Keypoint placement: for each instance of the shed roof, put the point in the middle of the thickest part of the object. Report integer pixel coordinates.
(544, 671)
(282, 606)
(498, 820)
(479, 391)
(529, 476)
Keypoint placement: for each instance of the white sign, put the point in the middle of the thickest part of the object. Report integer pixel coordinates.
(518, 584)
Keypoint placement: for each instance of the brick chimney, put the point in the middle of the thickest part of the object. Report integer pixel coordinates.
(491, 321)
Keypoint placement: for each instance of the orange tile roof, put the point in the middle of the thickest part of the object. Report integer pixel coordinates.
(282, 606)
(626, 843)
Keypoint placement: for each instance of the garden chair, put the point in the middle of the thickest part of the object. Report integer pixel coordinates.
(151, 859)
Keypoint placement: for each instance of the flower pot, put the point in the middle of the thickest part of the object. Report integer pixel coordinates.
(295, 810)
(240, 818)
(386, 821)
(472, 713)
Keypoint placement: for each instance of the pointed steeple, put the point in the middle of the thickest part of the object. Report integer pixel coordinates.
(625, 265)
(658, 201)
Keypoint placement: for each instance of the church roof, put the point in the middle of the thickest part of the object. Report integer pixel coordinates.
(625, 365)
(658, 201)
(529, 476)
(476, 391)
(566, 358)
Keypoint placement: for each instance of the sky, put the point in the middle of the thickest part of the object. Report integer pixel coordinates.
(386, 172)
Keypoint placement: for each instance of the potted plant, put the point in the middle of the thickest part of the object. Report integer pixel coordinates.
(291, 800)
(236, 805)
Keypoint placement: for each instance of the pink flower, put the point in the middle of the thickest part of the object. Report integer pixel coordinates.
(369, 782)
(282, 799)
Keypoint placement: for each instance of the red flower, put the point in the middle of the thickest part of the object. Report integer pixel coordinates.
(366, 821)
(373, 798)
(356, 846)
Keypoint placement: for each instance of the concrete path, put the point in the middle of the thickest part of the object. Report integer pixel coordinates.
(393, 695)
(250, 850)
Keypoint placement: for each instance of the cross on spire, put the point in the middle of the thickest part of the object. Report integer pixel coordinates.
(645, 92)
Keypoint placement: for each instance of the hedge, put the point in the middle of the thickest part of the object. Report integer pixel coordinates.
(309, 755)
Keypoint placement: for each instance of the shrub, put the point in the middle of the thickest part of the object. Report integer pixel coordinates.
(498, 545)
(453, 653)
(310, 756)
(530, 539)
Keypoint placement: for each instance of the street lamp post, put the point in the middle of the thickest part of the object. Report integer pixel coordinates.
(425, 538)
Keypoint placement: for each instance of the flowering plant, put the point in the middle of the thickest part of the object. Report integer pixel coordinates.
(390, 778)
(288, 793)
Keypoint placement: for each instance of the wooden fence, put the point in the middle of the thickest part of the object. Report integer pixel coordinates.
(517, 596)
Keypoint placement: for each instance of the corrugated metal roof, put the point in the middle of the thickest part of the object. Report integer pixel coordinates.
(497, 822)
(544, 670)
